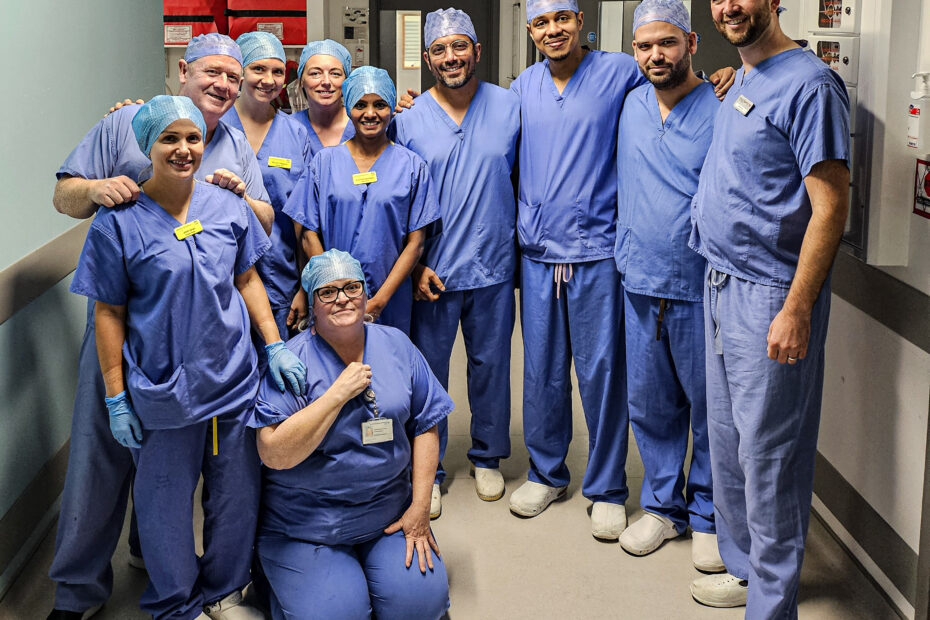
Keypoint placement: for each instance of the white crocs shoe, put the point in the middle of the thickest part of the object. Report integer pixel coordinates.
(489, 483)
(532, 498)
(647, 534)
(723, 590)
(231, 608)
(435, 502)
(607, 520)
(704, 553)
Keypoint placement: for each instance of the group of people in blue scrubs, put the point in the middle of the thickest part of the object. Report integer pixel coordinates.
(674, 249)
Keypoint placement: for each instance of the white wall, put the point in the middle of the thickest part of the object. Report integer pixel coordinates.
(513, 42)
(72, 61)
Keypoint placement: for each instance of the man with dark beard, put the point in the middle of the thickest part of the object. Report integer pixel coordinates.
(768, 216)
(666, 129)
(467, 132)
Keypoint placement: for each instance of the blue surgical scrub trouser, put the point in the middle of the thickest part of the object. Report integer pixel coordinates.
(310, 581)
(666, 383)
(168, 467)
(93, 503)
(487, 316)
(763, 419)
(584, 323)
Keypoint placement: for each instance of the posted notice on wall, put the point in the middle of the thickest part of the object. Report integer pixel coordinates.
(922, 189)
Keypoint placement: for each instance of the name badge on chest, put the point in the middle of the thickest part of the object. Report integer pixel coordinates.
(743, 105)
(279, 162)
(377, 430)
(186, 230)
(363, 178)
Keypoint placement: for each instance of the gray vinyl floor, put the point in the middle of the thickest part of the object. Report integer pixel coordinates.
(504, 567)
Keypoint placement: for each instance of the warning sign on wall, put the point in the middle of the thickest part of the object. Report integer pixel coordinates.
(922, 189)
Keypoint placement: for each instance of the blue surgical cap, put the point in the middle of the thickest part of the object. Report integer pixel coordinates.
(444, 22)
(328, 267)
(670, 11)
(366, 81)
(535, 8)
(212, 44)
(159, 112)
(327, 47)
(259, 46)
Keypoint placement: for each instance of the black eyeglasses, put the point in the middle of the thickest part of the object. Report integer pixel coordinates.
(329, 294)
(459, 48)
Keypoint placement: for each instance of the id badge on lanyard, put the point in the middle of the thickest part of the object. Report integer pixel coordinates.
(377, 429)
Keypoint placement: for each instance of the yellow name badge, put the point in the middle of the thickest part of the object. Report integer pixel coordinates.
(185, 231)
(364, 177)
(279, 162)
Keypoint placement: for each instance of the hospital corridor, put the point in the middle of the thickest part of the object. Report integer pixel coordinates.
(465, 310)
(503, 566)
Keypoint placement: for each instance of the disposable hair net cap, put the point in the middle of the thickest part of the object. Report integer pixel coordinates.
(535, 8)
(212, 44)
(444, 22)
(327, 47)
(367, 81)
(260, 46)
(159, 112)
(328, 267)
(670, 11)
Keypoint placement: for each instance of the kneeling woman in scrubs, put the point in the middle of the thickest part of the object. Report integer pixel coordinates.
(175, 286)
(344, 530)
(371, 198)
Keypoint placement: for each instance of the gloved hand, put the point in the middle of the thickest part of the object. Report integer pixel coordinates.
(124, 423)
(285, 366)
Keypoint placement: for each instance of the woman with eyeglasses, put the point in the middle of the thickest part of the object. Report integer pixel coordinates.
(350, 465)
(371, 198)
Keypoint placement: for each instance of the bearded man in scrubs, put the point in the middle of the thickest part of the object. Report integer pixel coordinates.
(666, 128)
(467, 131)
(103, 170)
(768, 217)
(571, 297)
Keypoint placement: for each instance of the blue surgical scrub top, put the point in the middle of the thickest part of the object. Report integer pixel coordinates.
(110, 149)
(567, 208)
(470, 166)
(315, 145)
(282, 158)
(370, 220)
(345, 492)
(752, 208)
(658, 166)
(188, 353)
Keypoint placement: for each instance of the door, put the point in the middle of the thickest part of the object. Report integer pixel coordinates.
(484, 15)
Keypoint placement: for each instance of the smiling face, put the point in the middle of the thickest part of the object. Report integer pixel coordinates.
(663, 53)
(371, 116)
(263, 80)
(212, 83)
(342, 312)
(742, 22)
(556, 34)
(177, 151)
(452, 60)
(322, 80)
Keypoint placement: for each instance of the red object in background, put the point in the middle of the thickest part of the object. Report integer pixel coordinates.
(185, 19)
(286, 19)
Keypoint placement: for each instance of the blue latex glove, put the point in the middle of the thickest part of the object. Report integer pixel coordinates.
(124, 423)
(285, 366)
